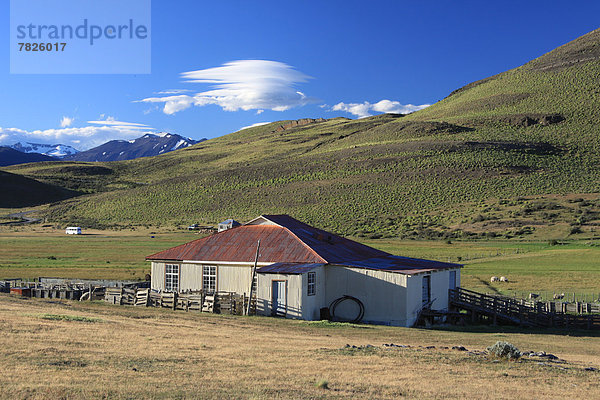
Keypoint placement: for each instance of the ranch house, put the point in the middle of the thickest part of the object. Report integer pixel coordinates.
(302, 270)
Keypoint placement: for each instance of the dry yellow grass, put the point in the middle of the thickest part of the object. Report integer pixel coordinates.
(158, 353)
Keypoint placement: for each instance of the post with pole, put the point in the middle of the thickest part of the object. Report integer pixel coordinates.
(252, 279)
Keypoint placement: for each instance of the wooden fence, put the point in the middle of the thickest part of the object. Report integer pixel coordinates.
(519, 312)
(220, 302)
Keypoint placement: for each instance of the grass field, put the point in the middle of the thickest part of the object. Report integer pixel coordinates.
(64, 349)
(31, 252)
(540, 267)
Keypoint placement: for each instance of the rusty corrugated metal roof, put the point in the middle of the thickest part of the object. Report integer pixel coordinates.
(331, 247)
(277, 244)
(285, 240)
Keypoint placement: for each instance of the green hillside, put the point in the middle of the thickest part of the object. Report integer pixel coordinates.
(18, 191)
(499, 157)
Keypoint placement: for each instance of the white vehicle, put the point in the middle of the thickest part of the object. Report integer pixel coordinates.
(73, 230)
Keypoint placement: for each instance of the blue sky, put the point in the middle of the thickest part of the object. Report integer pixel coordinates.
(347, 58)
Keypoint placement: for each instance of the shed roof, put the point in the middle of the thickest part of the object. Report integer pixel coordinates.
(285, 240)
(229, 221)
(288, 268)
(404, 265)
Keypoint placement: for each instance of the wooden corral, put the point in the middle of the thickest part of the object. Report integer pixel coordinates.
(69, 291)
(498, 309)
(219, 303)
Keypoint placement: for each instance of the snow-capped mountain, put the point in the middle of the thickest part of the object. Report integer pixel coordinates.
(53, 150)
(145, 146)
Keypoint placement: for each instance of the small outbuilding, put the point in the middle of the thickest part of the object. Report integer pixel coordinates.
(228, 224)
(302, 270)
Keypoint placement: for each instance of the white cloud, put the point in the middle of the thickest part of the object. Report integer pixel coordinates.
(110, 121)
(173, 104)
(241, 85)
(66, 121)
(366, 109)
(254, 125)
(174, 91)
(82, 138)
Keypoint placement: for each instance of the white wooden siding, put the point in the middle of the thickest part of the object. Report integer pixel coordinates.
(311, 305)
(382, 293)
(389, 298)
(158, 275)
(293, 292)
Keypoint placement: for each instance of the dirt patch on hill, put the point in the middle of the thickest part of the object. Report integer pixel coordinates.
(525, 120)
(299, 122)
(529, 148)
(432, 128)
(83, 170)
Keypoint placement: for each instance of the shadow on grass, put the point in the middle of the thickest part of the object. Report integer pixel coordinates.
(516, 329)
(487, 285)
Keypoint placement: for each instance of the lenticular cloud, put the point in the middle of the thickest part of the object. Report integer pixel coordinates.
(241, 85)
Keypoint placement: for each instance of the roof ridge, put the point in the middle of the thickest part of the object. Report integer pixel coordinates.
(296, 236)
(174, 247)
(205, 238)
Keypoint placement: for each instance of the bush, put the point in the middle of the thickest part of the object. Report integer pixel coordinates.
(322, 384)
(504, 350)
(575, 230)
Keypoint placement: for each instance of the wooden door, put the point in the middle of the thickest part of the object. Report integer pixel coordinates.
(278, 298)
(426, 289)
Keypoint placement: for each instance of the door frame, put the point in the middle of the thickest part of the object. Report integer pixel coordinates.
(285, 299)
(426, 277)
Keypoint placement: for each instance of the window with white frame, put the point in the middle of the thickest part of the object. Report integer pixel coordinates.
(311, 288)
(209, 279)
(172, 277)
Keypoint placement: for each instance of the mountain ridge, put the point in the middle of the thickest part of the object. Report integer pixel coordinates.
(144, 146)
(53, 150)
(10, 156)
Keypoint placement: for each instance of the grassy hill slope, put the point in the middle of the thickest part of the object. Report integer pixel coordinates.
(19, 191)
(10, 156)
(529, 134)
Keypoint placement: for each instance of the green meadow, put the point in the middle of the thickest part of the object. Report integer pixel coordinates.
(31, 253)
(530, 266)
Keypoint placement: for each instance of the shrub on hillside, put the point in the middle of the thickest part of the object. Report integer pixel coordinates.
(504, 350)
(575, 230)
